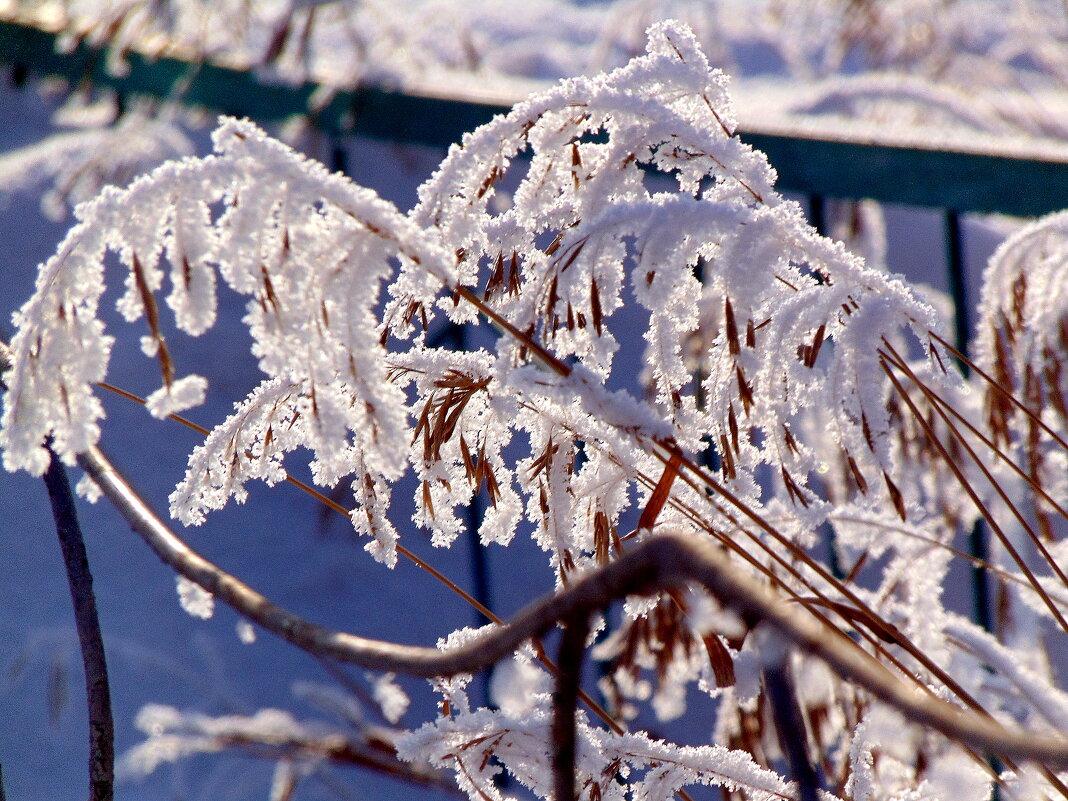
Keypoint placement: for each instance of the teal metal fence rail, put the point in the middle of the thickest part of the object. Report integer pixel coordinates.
(955, 180)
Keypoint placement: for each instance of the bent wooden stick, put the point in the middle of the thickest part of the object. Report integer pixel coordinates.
(660, 563)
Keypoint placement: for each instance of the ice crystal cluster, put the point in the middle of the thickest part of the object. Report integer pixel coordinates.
(819, 394)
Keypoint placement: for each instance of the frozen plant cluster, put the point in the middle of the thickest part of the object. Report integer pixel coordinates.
(799, 408)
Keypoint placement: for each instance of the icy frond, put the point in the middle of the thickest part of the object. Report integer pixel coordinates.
(1022, 348)
(309, 247)
(185, 393)
(552, 259)
(464, 420)
(652, 769)
(635, 183)
(1022, 311)
(1023, 323)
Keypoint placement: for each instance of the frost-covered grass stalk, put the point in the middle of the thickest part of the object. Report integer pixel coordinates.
(821, 388)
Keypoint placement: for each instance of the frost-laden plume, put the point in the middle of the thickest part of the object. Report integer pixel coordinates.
(819, 382)
(310, 248)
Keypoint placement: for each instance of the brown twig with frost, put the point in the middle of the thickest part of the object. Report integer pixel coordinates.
(659, 563)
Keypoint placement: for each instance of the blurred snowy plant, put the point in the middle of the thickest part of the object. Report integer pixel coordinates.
(175, 734)
(824, 387)
(79, 163)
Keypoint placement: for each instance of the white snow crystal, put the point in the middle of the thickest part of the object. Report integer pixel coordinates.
(245, 632)
(389, 696)
(185, 393)
(194, 599)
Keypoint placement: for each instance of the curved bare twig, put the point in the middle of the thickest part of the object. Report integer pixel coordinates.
(659, 563)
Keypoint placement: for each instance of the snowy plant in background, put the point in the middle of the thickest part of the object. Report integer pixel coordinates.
(824, 387)
(80, 161)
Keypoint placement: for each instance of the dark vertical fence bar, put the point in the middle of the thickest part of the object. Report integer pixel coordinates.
(978, 545)
(817, 214)
(958, 286)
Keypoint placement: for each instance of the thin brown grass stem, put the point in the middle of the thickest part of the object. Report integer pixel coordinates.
(989, 443)
(942, 407)
(974, 496)
(122, 393)
(910, 647)
(975, 561)
(535, 347)
(1005, 393)
(863, 631)
(872, 639)
(732, 545)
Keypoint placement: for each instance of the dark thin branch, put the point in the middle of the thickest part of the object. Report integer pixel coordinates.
(565, 701)
(98, 694)
(790, 726)
(659, 563)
